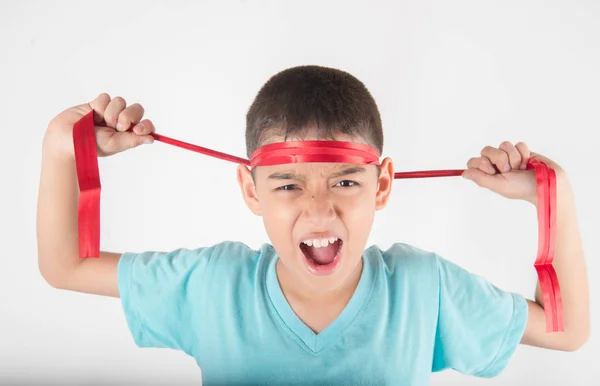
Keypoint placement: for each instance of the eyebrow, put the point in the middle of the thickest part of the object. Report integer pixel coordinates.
(341, 173)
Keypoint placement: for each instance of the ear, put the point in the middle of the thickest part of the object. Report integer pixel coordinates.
(384, 183)
(246, 182)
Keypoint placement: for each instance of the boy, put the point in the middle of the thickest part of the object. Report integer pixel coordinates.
(315, 306)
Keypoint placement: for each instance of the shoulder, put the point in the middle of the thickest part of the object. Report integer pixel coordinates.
(237, 257)
(228, 256)
(408, 262)
(407, 270)
(401, 257)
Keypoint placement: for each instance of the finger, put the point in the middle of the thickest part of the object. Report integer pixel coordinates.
(130, 116)
(525, 154)
(111, 114)
(482, 179)
(125, 141)
(487, 161)
(498, 158)
(481, 163)
(99, 106)
(145, 127)
(514, 157)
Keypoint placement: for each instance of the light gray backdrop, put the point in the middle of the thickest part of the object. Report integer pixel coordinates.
(449, 76)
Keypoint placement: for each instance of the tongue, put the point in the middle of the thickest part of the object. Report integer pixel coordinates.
(323, 255)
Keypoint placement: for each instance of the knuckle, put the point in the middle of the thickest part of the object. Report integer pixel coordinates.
(472, 162)
(137, 110)
(131, 114)
(103, 98)
(100, 103)
(119, 100)
(506, 144)
(138, 107)
(487, 150)
(522, 146)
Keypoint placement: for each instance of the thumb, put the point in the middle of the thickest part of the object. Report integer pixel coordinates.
(130, 140)
(481, 178)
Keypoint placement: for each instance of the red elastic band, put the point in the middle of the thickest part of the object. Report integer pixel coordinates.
(306, 153)
(88, 176)
(86, 158)
(314, 151)
(546, 209)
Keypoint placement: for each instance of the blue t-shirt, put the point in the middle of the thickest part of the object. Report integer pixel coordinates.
(412, 313)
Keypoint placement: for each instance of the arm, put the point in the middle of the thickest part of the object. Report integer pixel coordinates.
(57, 237)
(58, 251)
(502, 170)
(570, 267)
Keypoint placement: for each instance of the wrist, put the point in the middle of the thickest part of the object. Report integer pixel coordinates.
(58, 144)
(563, 188)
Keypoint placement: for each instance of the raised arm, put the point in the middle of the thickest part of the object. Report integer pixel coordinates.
(57, 238)
(569, 263)
(502, 170)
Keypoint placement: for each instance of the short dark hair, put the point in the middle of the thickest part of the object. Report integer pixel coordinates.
(329, 99)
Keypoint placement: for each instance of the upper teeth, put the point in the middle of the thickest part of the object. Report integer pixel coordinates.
(319, 243)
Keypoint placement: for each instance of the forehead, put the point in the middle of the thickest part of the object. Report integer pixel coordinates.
(307, 171)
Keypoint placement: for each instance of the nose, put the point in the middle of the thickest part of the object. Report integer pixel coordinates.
(320, 211)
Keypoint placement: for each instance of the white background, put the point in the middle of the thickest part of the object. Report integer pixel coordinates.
(449, 77)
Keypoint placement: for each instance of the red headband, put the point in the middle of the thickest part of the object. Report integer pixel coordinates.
(363, 154)
(86, 159)
(314, 151)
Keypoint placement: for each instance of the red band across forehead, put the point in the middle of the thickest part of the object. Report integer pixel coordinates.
(314, 151)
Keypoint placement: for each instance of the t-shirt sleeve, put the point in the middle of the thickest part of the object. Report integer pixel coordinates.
(479, 325)
(156, 289)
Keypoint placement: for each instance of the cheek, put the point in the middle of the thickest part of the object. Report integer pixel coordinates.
(357, 214)
(279, 219)
(357, 203)
(358, 217)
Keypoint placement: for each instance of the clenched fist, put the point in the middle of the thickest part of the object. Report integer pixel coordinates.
(118, 127)
(503, 170)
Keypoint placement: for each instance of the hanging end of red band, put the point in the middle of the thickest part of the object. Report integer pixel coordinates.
(89, 223)
(546, 208)
(88, 177)
(555, 316)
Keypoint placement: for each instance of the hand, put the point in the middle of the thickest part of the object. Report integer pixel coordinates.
(503, 170)
(113, 120)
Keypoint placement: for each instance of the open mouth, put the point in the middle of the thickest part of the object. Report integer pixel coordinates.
(322, 256)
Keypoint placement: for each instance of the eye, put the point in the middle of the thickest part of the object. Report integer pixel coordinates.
(287, 187)
(347, 183)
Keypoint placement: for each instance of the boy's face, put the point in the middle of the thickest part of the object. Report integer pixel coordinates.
(318, 216)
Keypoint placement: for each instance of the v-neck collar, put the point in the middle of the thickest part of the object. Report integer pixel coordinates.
(300, 331)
